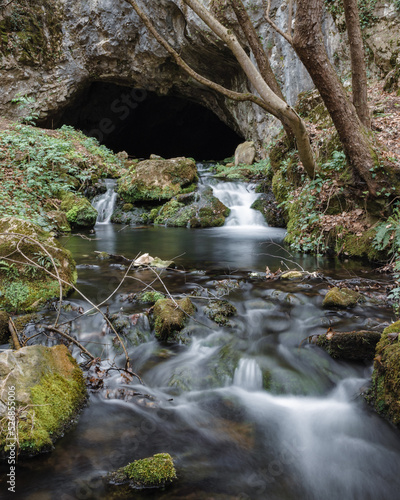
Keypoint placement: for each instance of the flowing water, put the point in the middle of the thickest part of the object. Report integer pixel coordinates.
(105, 203)
(248, 411)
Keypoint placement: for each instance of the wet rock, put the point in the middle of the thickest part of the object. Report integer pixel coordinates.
(342, 298)
(245, 153)
(220, 311)
(78, 210)
(170, 317)
(268, 206)
(200, 209)
(23, 287)
(156, 180)
(49, 390)
(134, 327)
(4, 331)
(153, 472)
(384, 393)
(350, 346)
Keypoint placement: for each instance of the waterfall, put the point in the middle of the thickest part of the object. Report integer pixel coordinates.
(239, 197)
(105, 203)
(248, 375)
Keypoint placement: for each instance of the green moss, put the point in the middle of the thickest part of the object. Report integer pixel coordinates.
(78, 209)
(342, 298)
(155, 471)
(170, 317)
(149, 297)
(359, 246)
(220, 311)
(393, 328)
(351, 346)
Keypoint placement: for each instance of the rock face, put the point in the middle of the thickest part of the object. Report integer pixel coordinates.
(84, 42)
(385, 390)
(48, 389)
(23, 286)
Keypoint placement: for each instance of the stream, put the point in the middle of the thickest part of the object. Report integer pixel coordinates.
(244, 410)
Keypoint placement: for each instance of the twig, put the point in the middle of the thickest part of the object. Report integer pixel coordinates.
(286, 36)
(71, 339)
(14, 334)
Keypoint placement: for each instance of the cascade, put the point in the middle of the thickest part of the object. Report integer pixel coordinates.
(248, 375)
(105, 203)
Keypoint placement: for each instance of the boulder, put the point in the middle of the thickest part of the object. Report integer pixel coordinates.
(157, 180)
(384, 393)
(245, 153)
(153, 472)
(350, 346)
(24, 287)
(48, 389)
(268, 206)
(342, 298)
(170, 317)
(194, 210)
(79, 211)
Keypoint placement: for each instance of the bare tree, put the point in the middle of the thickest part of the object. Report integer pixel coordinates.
(268, 100)
(307, 41)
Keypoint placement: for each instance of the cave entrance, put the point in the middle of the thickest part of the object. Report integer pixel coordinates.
(143, 123)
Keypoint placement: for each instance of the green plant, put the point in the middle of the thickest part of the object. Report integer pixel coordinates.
(16, 293)
(9, 269)
(27, 103)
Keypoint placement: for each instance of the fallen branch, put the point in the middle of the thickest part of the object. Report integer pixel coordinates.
(71, 339)
(14, 334)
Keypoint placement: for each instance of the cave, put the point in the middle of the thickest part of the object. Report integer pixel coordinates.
(143, 123)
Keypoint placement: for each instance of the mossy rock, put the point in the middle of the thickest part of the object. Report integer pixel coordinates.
(49, 392)
(384, 393)
(59, 221)
(23, 287)
(360, 246)
(157, 180)
(291, 275)
(153, 472)
(268, 206)
(149, 297)
(4, 331)
(79, 211)
(350, 346)
(342, 298)
(171, 317)
(220, 311)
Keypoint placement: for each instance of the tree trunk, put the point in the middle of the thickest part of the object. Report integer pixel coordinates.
(309, 46)
(281, 109)
(358, 69)
(259, 54)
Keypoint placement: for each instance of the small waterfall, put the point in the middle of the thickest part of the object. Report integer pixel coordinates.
(248, 375)
(105, 203)
(239, 197)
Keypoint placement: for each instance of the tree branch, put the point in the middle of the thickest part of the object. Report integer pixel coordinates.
(286, 36)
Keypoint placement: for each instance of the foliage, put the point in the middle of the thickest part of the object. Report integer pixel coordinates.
(27, 103)
(38, 166)
(16, 293)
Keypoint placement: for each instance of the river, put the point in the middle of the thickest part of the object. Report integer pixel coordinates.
(247, 411)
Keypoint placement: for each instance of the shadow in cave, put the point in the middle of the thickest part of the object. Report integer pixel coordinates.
(143, 123)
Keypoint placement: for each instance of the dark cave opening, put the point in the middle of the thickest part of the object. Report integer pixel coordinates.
(143, 123)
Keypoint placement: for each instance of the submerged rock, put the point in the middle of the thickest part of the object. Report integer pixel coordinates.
(48, 388)
(170, 317)
(384, 393)
(219, 311)
(24, 287)
(156, 180)
(351, 346)
(342, 298)
(153, 472)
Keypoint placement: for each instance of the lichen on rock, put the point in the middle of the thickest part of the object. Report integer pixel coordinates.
(49, 391)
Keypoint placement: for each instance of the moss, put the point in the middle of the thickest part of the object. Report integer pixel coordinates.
(393, 328)
(384, 393)
(342, 298)
(24, 287)
(155, 471)
(4, 331)
(220, 311)
(79, 211)
(359, 246)
(21, 321)
(54, 390)
(292, 275)
(170, 317)
(350, 346)
(149, 297)
(126, 207)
